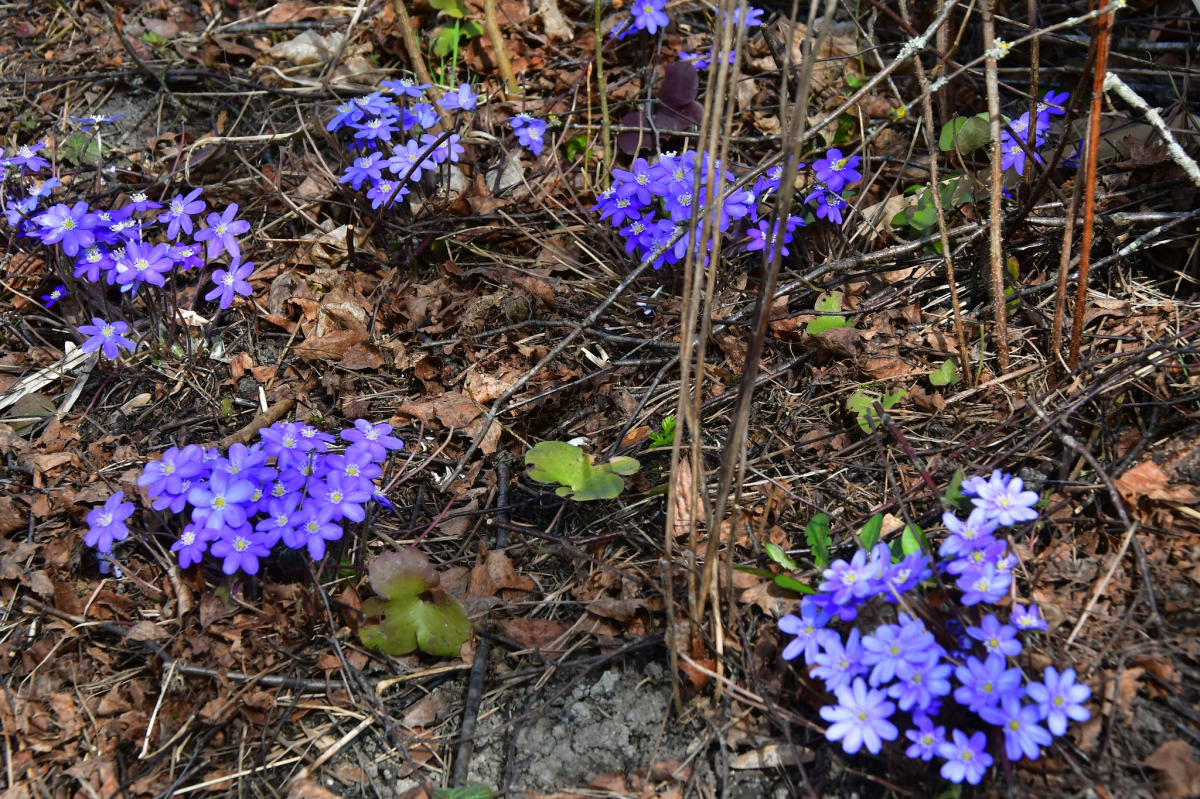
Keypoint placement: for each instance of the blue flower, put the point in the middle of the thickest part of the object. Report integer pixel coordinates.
(838, 664)
(312, 526)
(425, 115)
(926, 739)
(461, 99)
(347, 114)
(27, 158)
(985, 683)
(241, 549)
(167, 475)
(836, 170)
(1022, 735)
(809, 630)
(279, 519)
(974, 533)
(144, 263)
(54, 296)
(192, 543)
(381, 192)
(222, 231)
(759, 239)
(187, 257)
(68, 226)
(848, 581)
(1012, 155)
(1059, 698)
(918, 684)
(984, 585)
(107, 337)
(829, 205)
(346, 497)
(1027, 619)
(966, 758)
(106, 524)
(282, 441)
(231, 282)
(1051, 104)
(997, 638)
(376, 104)
(530, 136)
(178, 215)
(860, 718)
(87, 123)
(408, 160)
(901, 577)
(1004, 499)
(377, 438)
(648, 15)
(375, 129)
(892, 644)
(367, 166)
(406, 87)
(357, 464)
(140, 203)
(221, 500)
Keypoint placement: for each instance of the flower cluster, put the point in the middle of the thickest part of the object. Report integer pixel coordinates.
(903, 667)
(383, 137)
(530, 132)
(134, 244)
(1012, 151)
(290, 486)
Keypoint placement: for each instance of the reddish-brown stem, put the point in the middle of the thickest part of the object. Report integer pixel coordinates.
(1089, 188)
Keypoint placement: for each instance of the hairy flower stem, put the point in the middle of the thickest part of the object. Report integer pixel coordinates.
(996, 248)
(602, 87)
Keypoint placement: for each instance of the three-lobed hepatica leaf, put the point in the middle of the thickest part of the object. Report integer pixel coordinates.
(862, 405)
(572, 469)
(946, 374)
(413, 612)
(677, 108)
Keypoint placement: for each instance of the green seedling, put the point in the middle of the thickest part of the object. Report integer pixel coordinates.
(861, 404)
(571, 468)
(666, 436)
(827, 304)
(413, 612)
(946, 374)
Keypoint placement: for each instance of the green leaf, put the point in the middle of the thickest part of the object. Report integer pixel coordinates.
(792, 584)
(954, 497)
(909, 543)
(827, 303)
(862, 404)
(776, 553)
(470, 29)
(757, 572)
(665, 437)
(869, 535)
(817, 535)
(946, 374)
(472, 790)
(966, 133)
(445, 40)
(413, 612)
(576, 146)
(570, 467)
(81, 150)
(853, 81)
(450, 8)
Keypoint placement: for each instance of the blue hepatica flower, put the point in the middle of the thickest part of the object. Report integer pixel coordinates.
(1022, 734)
(375, 130)
(144, 263)
(893, 644)
(26, 156)
(409, 159)
(106, 337)
(966, 758)
(1059, 698)
(829, 205)
(54, 296)
(363, 168)
(222, 498)
(346, 114)
(918, 685)
(985, 682)
(926, 739)
(1027, 618)
(461, 99)
(531, 136)
(140, 203)
(425, 115)
(180, 210)
(231, 282)
(89, 122)
(810, 632)
(68, 226)
(1004, 499)
(838, 664)
(974, 533)
(241, 549)
(837, 171)
(382, 191)
(984, 585)
(192, 544)
(860, 718)
(222, 232)
(106, 524)
(647, 15)
(312, 527)
(997, 638)
(406, 87)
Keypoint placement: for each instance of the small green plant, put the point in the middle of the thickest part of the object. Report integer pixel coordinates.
(965, 134)
(946, 374)
(413, 612)
(472, 790)
(666, 436)
(572, 469)
(861, 404)
(817, 535)
(829, 303)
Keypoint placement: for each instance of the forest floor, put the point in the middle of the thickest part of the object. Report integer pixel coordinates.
(607, 676)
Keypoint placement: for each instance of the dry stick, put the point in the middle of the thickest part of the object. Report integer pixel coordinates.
(411, 46)
(1112, 83)
(936, 188)
(602, 86)
(1060, 300)
(996, 248)
(1089, 196)
(266, 418)
(499, 49)
(733, 463)
(466, 744)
